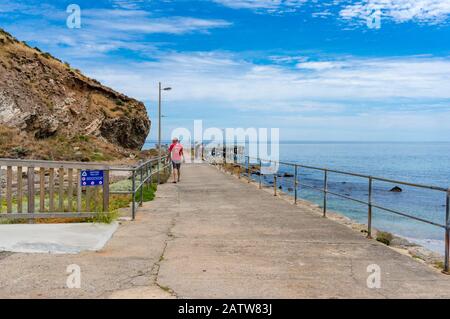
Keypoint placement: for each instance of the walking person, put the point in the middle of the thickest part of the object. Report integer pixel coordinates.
(176, 156)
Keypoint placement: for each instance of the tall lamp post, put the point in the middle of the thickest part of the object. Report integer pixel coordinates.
(159, 129)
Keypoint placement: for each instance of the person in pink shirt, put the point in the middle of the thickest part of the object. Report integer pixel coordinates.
(176, 155)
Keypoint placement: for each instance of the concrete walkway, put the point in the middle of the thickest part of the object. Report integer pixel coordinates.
(213, 236)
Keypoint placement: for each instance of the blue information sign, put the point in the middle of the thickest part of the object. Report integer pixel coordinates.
(92, 178)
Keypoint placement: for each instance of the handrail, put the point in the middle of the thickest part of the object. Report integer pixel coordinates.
(369, 202)
(145, 172)
(381, 179)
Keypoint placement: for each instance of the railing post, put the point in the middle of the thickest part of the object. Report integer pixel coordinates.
(275, 184)
(369, 215)
(106, 191)
(42, 191)
(19, 191)
(260, 174)
(150, 172)
(203, 151)
(133, 199)
(159, 167)
(247, 162)
(79, 189)
(447, 235)
(296, 184)
(0, 189)
(142, 186)
(325, 193)
(9, 177)
(30, 185)
(61, 189)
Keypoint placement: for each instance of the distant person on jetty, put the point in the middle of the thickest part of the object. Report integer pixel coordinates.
(176, 155)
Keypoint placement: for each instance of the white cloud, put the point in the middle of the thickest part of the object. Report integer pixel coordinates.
(265, 5)
(221, 78)
(139, 23)
(128, 4)
(106, 30)
(422, 11)
(318, 66)
(361, 99)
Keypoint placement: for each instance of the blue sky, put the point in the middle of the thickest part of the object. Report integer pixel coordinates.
(318, 70)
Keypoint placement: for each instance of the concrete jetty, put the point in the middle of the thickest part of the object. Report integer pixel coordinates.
(214, 236)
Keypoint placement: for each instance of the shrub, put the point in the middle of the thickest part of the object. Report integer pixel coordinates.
(385, 237)
(105, 218)
(20, 151)
(83, 138)
(149, 192)
(47, 55)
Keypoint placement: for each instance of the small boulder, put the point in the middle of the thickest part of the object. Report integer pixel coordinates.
(396, 189)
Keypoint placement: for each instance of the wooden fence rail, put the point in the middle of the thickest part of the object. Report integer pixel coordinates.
(50, 189)
(32, 189)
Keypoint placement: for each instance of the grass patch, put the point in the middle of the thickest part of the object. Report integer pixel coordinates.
(5, 221)
(105, 218)
(149, 192)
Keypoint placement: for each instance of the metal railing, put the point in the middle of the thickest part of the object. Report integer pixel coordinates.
(58, 192)
(256, 168)
(142, 175)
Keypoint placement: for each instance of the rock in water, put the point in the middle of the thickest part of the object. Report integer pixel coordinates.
(396, 189)
(48, 108)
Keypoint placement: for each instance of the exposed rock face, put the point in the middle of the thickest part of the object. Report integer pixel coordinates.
(45, 100)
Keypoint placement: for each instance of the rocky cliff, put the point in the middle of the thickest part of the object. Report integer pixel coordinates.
(49, 110)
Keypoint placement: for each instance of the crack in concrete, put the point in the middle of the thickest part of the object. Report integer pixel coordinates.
(157, 266)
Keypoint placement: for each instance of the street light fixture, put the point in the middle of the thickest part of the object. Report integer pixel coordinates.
(159, 128)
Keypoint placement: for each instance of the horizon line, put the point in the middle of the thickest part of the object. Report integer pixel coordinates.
(318, 141)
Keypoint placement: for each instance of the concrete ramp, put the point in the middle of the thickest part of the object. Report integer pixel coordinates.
(55, 238)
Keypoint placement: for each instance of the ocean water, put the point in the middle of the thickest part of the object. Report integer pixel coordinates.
(422, 163)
